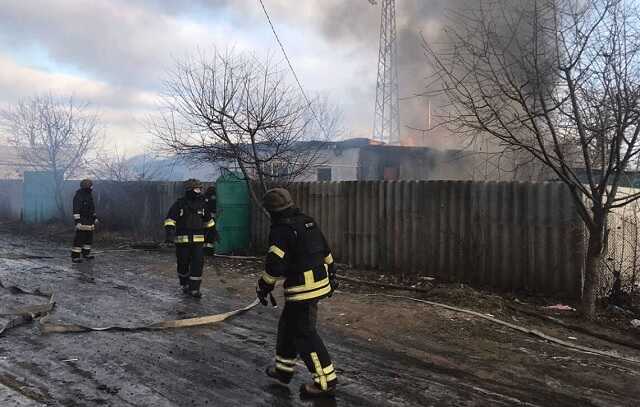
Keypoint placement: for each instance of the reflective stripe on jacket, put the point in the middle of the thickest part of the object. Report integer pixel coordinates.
(299, 254)
(191, 221)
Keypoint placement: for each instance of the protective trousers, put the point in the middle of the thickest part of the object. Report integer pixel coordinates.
(190, 262)
(82, 243)
(297, 336)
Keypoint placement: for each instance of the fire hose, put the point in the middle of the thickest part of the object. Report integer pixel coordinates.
(41, 313)
(46, 327)
(26, 314)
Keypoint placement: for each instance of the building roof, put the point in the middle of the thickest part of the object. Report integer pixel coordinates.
(11, 165)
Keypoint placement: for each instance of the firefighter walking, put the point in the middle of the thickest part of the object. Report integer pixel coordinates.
(190, 225)
(84, 216)
(299, 255)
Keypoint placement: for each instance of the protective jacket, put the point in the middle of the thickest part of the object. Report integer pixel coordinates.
(189, 221)
(84, 211)
(299, 254)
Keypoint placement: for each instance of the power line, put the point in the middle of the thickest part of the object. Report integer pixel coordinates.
(293, 71)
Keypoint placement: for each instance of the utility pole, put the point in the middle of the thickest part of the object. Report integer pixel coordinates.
(386, 123)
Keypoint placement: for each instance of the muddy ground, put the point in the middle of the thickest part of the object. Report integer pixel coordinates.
(388, 351)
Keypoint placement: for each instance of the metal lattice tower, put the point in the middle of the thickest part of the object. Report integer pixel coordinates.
(386, 123)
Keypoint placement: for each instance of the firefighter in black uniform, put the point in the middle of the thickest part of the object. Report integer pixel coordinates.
(299, 255)
(84, 216)
(189, 225)
(210, 201)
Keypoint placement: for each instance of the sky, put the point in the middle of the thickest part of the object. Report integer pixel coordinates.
(115, 54)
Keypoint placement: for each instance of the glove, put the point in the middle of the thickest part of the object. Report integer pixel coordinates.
(333, 280)
(212, 236)
(263, 289)
(170, 237)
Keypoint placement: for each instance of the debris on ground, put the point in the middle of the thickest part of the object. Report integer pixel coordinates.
(560, 307)
(388, 286)
(578, 325)
(523, 329)
(614, 309)
(435, 355)
(26, 314)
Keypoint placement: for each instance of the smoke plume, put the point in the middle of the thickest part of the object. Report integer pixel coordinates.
(417, 21)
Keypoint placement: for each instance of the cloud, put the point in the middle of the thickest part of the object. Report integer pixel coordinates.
(116, 53)
(348, 32)
(113, 40)
(19, 82)
(121, 110)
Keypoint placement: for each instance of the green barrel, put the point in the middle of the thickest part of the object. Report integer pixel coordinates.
(233, 208)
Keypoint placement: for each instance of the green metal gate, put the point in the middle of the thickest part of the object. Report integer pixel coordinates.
(233, 210)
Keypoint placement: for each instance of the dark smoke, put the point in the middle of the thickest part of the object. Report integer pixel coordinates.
(417, 20)
(358, 22)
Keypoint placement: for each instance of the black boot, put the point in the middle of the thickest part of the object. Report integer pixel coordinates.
(185, 289)
(313, 391)
(274, 373)
(86, 254)
(76, 260)
(196, 294)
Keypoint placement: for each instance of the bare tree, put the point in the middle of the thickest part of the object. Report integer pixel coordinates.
(120, 167)
(51, 133)
(559, 80)
(238, 110)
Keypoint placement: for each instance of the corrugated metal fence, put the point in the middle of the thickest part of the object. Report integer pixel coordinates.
(510, 236)
(11, 199)
(136, 207)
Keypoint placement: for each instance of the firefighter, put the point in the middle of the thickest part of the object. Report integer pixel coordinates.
(84, 216)
(210, 200)
(189, 225)
(299, 255)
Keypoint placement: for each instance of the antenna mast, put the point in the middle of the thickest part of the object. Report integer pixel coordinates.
(386, 123)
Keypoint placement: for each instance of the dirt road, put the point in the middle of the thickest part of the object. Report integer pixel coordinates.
(223, 365)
